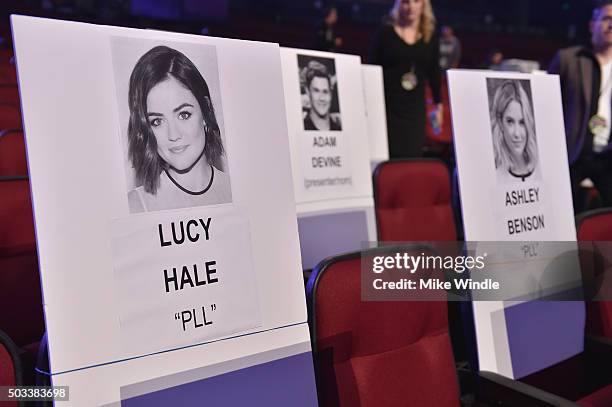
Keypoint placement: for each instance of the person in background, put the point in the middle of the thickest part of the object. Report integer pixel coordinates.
(326, 38)
(409, 52)
(450, 49)
(494, 60)
(586, 87)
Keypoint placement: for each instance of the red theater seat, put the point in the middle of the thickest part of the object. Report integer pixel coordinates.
(8, 74)
(10, 116)
(10, 367)
(600, 398)
(12, 154)
(594, 226)
(377, 353)
(5, 55)
(9, 94)
(413, 201)
(16, 219)
(19, 279)
(21, 310)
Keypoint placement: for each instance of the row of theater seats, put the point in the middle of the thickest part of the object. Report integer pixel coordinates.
(386, 346)
(21, 318)
(596, 226)
(366, 353)
(10, 366)
(400, 353)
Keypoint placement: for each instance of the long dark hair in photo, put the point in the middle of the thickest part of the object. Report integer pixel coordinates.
(154, 67)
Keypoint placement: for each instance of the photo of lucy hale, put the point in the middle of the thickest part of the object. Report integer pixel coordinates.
(174, 140)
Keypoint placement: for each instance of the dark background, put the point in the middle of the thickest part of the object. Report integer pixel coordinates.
(519, 28)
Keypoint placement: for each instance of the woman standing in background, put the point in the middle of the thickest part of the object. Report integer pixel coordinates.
(408, 51)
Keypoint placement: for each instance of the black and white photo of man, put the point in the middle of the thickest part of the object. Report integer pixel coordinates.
(319, 93)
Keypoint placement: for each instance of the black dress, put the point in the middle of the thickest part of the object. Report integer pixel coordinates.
(325, 38)
(401, 63)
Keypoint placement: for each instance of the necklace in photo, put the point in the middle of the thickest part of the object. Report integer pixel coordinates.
(187, 191)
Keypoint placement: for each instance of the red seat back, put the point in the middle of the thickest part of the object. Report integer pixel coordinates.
(10, 368)
(20, 294)
(8, 74)
(413, 201)
(13, 160)
(10, 116)
(16, 219)
(5, 55)
(9, 94)
(596, 226)
(377, 353)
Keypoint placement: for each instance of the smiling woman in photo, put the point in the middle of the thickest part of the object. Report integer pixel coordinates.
(513, 128)
(174, 139)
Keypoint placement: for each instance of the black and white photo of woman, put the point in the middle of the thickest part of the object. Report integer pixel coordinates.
(513, 130)
(174, 139)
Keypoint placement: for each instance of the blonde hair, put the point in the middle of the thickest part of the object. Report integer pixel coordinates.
(427, 22)
(507, 92)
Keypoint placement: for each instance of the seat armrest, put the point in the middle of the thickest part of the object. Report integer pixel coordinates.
(502, 391)
(599, 345)
(598, 356)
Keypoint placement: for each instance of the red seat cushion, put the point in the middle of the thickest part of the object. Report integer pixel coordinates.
(408, 376)
(373, 353)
